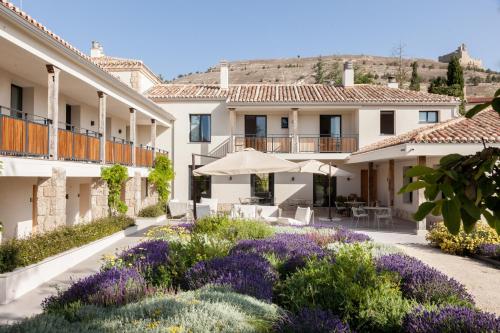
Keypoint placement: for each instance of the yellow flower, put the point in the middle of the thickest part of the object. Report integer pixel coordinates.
(152, 325)
(175, 329)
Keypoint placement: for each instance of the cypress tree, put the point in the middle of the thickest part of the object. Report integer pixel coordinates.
(319, 71)
(415, 79)
(455, 73)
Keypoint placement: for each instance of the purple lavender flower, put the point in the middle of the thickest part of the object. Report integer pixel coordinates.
(311, 321)
(147, 255)
(451, 319)
(424, 283)
(489, 250)
(344, 235)
(246, 273)
(188, 226)
(115, 286)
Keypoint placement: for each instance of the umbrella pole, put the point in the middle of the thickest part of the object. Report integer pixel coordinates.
(193, 186)
(330, 190)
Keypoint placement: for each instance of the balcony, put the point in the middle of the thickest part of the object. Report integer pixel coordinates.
(269, 144)
(23, 134)
(346, 143)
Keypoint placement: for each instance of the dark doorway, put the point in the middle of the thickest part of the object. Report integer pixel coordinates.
(203, 185)
(256, 132)
(320, 191)
(330, 126)
(16, 101)
(68, 117)
(262, 187)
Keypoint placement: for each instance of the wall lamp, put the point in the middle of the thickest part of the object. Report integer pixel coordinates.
(230, 178)
(293, 179)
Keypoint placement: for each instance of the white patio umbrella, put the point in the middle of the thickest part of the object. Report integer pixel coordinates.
(245, 162)
(317, 167)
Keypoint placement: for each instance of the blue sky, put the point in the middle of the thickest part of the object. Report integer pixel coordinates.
(180, 36)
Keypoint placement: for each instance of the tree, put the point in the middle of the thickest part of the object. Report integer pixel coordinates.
(415, 79)
(335, 74)
(469, 185)
(455, 74)
(161, 176)
(115, 176)
(402, 71)
(319, 71)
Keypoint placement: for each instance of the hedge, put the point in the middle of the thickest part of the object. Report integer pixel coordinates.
(23, 252)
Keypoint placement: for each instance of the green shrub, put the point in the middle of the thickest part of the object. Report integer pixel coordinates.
(152, 211)
(463, 243)
(115, 176)
(23, 252)
(350, 287)
(208, 309)
(161, 175)
(233, 229)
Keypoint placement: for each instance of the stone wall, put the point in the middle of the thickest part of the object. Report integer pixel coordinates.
(152, 194)
(51, 201)
(132, 194)
(99, 198)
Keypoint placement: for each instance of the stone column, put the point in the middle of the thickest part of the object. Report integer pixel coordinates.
(99, 198)
(133, 135)
(232, 128)
(153, 137)
(53, 109)
(294, 129)
(133, 194)
(51, 201)
(102, 126)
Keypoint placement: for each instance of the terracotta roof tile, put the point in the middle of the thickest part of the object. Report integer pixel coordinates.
(307, 93)
(485, 125)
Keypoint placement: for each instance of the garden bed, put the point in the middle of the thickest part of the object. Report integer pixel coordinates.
(230, 275)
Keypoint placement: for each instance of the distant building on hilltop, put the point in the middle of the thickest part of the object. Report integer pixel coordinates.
(463, 56)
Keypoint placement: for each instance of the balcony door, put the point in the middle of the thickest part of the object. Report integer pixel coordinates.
(330, 132)
(256, 132)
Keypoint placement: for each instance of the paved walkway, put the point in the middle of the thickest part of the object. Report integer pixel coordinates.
(29, 304)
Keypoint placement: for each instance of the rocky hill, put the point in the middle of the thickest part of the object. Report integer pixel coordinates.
(301, 70)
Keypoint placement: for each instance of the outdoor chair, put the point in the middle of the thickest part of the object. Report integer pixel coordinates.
(213, 203)
(358, 214)
(384, 214)
(303, 216)
(243, 211)
(179, 210)
(340, 208)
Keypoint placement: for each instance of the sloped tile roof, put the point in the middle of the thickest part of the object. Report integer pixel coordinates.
(306, 93)
(114, 63)
(483, 126)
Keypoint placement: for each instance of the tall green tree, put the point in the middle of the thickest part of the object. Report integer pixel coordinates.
(320, 72)
(455, 74)
(415, 78)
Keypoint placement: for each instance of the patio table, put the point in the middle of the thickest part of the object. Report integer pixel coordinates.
(373, 210)
(350, 204)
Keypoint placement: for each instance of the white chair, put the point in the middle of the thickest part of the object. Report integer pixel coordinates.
(213, 203)
(303, 216)
(268, 213)
(243, 211)
(383, 214)
(179, 210)
(358, 214)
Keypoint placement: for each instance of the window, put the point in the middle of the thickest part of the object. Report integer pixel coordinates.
(284, 122)
(255, 126)
(330, 126)
(200, 128)
(203, 185)
(428, 116)
(407, 197)
(387, 122)
(262, 187)
(16, 101)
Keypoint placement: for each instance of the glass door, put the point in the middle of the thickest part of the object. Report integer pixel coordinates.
(320, 191)
(256, 132)
(262, 187)
(330, 129)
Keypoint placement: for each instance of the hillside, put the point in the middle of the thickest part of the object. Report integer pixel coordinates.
(300, 70)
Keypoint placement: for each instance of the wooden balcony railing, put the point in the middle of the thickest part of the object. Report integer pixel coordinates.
(269, 144)
(23, 134)
(77, 144)
(144, 156)
(118, 151)
(335, 144)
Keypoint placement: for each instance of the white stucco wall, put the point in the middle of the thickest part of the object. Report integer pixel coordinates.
(15, 202)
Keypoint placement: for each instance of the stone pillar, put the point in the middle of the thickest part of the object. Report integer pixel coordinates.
(390, 182)
(232, 128)
(51, 201)
(153, 137)
(99, 198)
(53, 109)
(294, 127)
(102, 126)
(133, 194)
(133, 135)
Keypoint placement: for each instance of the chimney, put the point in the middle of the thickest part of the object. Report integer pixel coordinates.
(348, 75)
(96, 51)
(391, 82)
(224, 74)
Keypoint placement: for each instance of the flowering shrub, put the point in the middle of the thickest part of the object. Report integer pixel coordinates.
(311, 321)
(116, 286)
(245, 273)
(344, 235)
(462, 244)
(424, 283)
(171, 233)
(489, 250)
(450, 319)
(232, 229)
